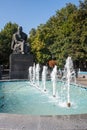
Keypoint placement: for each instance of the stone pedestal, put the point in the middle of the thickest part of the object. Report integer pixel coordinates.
(19, 65)
(0, 73)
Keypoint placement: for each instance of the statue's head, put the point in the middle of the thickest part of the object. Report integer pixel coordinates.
(20, 29)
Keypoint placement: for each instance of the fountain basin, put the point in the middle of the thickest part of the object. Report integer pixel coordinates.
(22, 97)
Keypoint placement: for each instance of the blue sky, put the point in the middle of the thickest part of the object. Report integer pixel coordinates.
(30, 13)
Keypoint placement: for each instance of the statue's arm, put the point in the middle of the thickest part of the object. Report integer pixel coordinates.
(13, 43)
(25, 37)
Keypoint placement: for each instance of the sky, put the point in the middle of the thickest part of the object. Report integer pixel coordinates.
(30, 13)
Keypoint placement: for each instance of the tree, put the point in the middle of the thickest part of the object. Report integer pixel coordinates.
(5, 42)
(38, 46)
(64, 34)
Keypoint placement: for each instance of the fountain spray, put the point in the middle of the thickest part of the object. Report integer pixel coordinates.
(44, 74)
(30, 73)
(34, 73)
(54, 79)
(37, 73)
(68, 69)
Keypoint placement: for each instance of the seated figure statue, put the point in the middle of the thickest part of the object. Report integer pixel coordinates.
(19, 45)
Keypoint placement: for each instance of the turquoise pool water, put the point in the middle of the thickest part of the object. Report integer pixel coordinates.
(20, 97)
(83, 72)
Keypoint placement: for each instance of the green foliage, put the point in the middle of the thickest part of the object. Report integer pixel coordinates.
(64, 34)
(5, 42)
(38, 46)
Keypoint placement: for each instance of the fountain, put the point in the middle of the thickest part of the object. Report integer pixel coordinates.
(44, 75)
(68, 67)
(30, 73)
(54, 79)
(44, 97)
(33, 73)
(37, 70)
(68, 76)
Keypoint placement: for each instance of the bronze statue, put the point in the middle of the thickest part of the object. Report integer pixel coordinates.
(19, 42)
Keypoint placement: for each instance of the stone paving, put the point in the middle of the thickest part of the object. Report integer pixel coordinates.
(26, 122)
(82, 81)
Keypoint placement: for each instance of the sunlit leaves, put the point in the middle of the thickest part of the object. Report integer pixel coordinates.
(64, 34)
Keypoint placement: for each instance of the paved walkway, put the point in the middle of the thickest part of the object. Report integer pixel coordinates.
(25, 122)
(82, 81)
